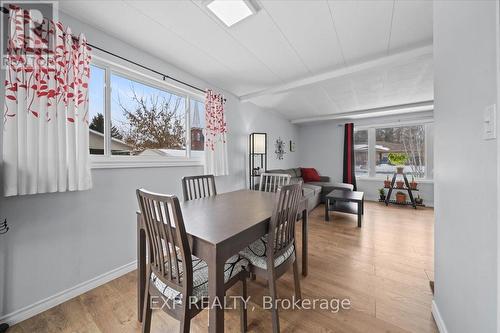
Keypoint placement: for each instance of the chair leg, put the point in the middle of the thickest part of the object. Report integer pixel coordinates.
(243, 309)
(185, 322)
(253, 277)
(274, 308)
(147, 311)
(296, 279)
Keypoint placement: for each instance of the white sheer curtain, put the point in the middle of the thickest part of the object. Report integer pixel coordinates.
(216, 162)
(45, 132)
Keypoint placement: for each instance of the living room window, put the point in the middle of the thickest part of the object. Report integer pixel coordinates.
(361, 152)
(134, 117)
(409, 140)
(372, 146)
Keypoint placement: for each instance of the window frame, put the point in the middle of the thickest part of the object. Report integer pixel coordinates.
(429, 149)
(117, 161)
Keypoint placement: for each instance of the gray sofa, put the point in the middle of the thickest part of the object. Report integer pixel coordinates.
(314, 191)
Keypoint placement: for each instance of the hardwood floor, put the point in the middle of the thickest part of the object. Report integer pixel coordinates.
(383, 268)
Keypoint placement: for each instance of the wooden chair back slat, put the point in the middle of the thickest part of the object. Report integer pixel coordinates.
(282, 226)
(169, 252)
(197, 187)
(271, 182)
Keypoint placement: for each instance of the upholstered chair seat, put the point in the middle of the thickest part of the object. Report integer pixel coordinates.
(232, 267)
(256, 254)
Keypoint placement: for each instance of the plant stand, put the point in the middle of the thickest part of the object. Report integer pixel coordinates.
(408, 189)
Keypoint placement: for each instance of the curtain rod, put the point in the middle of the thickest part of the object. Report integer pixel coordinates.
(165, 76)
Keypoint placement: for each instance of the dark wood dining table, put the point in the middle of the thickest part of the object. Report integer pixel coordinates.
(219, 227)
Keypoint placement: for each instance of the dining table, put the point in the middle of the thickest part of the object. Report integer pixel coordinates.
(219, 227)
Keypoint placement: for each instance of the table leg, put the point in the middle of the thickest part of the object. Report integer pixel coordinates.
(215, 293)
(304, 242)
(327, 207)
(360, 212)
(141, 267)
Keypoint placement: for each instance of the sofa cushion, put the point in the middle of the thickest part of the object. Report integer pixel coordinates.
(307, 192)
(276, 171)
(297, 171)
(328, 187)
(315, 188)
(310, 175)
(290, 172)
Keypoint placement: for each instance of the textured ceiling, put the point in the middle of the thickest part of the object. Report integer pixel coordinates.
(285, 41)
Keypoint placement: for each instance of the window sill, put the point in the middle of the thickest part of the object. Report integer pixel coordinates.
(381, 180)
(120, 162)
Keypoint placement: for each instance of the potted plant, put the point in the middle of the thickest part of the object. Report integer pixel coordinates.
(413, 184)
(399, 160)
(382, 194)
(387, 182)
(400, 197)
(400, 183)
(419, 200)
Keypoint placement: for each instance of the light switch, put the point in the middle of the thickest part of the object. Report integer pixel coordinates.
(490, 122)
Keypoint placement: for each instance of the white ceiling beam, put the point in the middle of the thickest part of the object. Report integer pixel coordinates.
(376, 112)
(362, 66)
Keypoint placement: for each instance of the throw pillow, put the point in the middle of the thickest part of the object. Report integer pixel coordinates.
(310, 175)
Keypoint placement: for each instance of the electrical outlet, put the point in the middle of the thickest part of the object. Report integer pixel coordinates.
(490, 122)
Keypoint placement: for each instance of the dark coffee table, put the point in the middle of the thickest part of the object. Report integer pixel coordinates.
(351, 202)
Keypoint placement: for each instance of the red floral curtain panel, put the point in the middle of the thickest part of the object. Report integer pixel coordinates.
(216, 162)
(45, 135)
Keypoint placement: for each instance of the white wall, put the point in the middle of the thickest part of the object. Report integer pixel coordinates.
(465, 81)
(60, 240)
(321, 146)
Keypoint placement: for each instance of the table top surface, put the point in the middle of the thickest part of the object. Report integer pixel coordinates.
(218, 218)
(345, 195)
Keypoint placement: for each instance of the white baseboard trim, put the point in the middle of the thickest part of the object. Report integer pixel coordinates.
(61, 297)
(438, 319)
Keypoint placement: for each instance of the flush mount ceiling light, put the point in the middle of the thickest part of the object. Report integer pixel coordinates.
(231, 12)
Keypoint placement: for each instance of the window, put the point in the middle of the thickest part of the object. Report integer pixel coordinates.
(139, 117)
(361, 152)
(197, 121)
(96, 110)
(145, 120)
(373, 145)
(409, 140)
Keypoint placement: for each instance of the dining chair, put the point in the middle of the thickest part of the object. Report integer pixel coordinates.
(270, 182)
(272, 255)
(196, 187)
(177, 279)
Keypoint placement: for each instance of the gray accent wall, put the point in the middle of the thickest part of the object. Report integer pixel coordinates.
(58, 241)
